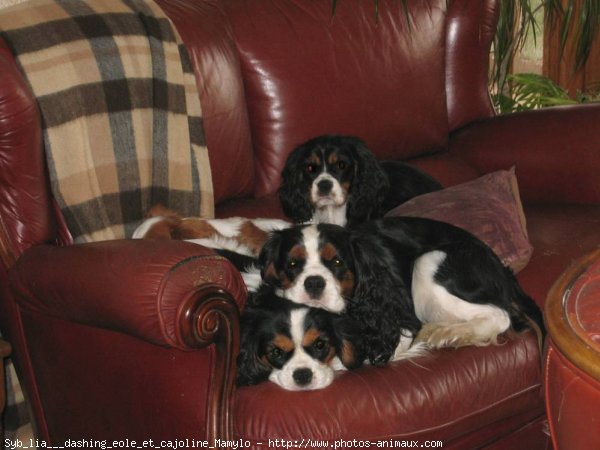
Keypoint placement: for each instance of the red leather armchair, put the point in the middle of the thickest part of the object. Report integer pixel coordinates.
(137, 340)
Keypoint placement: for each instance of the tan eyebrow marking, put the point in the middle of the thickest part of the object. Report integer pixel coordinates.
(328, 252)
(298, 252)
(310, 336)
(314, 159)
(283, 342)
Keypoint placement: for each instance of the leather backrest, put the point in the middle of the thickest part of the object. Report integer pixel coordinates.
(26, 211)
(274, 73)
(390, 79)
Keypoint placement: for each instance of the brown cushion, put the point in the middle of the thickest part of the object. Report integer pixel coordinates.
(489, 207)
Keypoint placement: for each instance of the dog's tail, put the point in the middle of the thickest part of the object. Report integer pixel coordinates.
(524, 312)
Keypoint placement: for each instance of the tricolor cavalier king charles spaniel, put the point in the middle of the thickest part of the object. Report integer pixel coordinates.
(400, 279)
(377, 290)
(337, 179)
(292, 345)
(328, 179)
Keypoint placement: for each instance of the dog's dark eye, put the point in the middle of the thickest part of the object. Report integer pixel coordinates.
(319, 344)
(292, 263)
(337, 262)
(310, 168)
(341, 165)
(275, 352)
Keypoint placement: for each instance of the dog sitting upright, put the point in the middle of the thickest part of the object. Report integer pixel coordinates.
(328, 179)
(337, 179)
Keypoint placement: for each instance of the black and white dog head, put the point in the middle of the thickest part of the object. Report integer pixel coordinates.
(310, 265)
(345, 272)
(332, 179)
(292, 345)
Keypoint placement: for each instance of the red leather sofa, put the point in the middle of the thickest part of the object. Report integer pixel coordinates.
(137, 340)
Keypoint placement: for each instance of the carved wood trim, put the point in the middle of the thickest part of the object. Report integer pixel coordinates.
(570, 345)
(212, 318)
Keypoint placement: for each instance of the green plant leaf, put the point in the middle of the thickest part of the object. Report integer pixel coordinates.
(533, 91)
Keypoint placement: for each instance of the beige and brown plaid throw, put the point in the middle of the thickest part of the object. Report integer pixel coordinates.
(120, 109)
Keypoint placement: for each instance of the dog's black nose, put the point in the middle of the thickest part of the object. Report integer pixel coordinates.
(325, 187)
(302, 376)
(314, 285)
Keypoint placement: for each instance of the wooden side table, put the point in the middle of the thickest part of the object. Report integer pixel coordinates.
(572, 369)
(4, 352)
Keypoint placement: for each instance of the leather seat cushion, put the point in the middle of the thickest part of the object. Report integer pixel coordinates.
(440, 396)
(559, 234)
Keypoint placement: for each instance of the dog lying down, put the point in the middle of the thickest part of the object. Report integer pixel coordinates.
(235, 234)
(400, 277)
(406, 284)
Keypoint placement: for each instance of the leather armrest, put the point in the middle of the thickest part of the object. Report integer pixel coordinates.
(556, 151)
(165, 292)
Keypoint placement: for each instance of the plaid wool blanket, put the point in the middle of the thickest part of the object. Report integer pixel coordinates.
(120, 110)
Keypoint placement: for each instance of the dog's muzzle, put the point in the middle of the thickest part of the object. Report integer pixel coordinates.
(324, 187)
(314, 286)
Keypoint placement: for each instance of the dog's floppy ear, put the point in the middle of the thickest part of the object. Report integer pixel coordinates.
(250, 369)
(381, 302)
(293, 192)
(370, 186)
(267, 257)
(350, 348)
